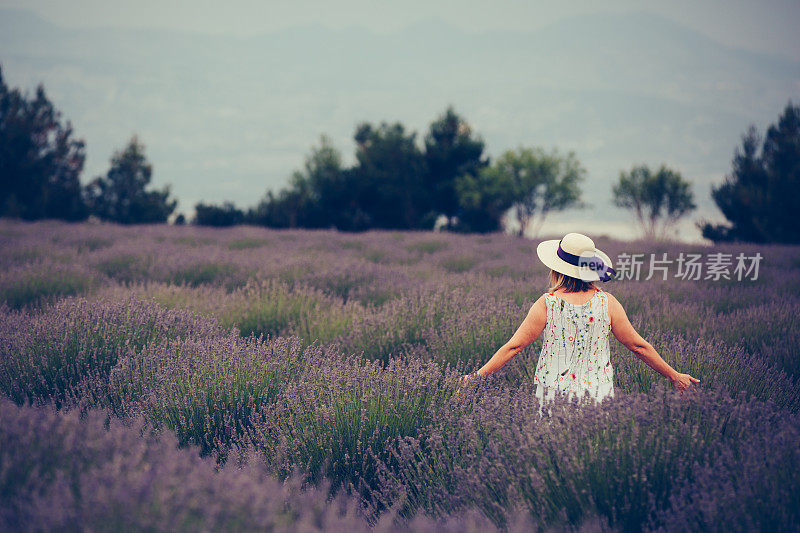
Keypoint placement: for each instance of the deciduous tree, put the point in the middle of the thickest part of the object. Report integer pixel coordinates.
(658, 199)
(541, 182)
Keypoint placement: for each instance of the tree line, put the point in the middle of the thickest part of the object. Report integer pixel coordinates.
(448, 182)
(395, 184)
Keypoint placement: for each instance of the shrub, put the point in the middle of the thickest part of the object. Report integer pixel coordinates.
(38, 284)
(65, 354)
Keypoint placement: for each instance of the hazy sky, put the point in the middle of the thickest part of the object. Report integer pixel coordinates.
(765, 25)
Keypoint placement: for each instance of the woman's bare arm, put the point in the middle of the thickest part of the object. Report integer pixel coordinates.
(623, 330)
(528, 331)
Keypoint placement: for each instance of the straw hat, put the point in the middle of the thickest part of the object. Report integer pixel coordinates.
(575, 255)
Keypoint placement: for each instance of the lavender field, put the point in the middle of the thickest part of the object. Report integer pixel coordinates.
(181, 378)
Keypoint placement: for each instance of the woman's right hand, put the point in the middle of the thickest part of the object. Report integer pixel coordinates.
(683, 382)
(465, 379)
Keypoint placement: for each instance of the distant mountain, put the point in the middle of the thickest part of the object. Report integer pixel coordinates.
(225, 117)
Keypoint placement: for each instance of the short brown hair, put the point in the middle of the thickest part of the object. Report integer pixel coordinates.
(568, 283)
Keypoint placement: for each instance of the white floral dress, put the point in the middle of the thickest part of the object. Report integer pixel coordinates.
(575, 354)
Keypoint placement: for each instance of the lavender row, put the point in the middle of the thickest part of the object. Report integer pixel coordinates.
(640, 461)
(44, 261)
(59, 472)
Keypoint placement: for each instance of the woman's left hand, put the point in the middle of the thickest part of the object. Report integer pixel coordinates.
(683, 382)
(466, 378)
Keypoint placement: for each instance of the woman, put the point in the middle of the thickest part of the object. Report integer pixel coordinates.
(576, 318)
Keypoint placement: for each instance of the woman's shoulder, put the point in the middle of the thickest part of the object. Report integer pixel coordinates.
(546, 299)
(613, 305)
(608, 295)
